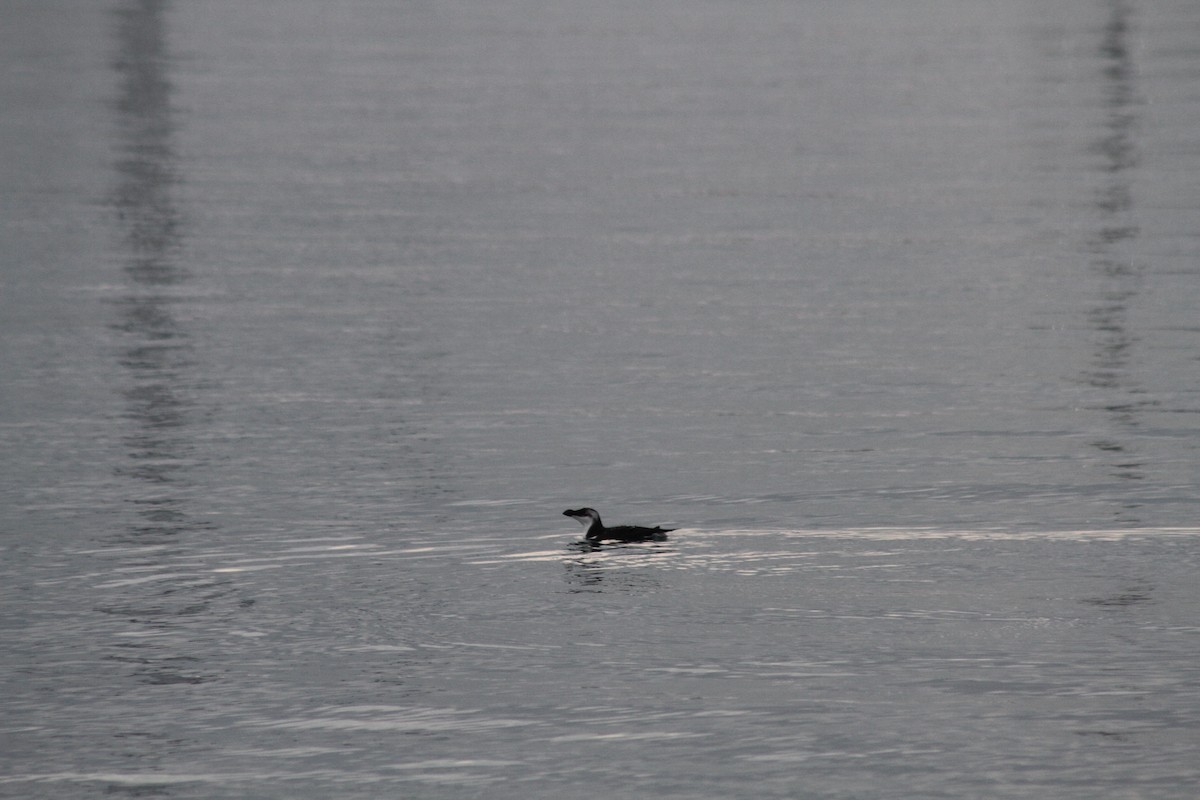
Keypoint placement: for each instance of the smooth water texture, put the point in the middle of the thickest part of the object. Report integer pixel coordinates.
(315, 316)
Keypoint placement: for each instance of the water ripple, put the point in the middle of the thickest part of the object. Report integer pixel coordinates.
(394, 718)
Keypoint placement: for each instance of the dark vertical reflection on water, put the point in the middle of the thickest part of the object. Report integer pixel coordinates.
(1115, 230)
(156, 353)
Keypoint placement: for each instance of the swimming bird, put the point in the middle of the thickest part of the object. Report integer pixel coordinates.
(596, 531)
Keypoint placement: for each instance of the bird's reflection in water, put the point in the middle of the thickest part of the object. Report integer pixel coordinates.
(615, 567)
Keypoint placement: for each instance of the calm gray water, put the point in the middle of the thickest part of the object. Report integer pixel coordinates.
(315, 316)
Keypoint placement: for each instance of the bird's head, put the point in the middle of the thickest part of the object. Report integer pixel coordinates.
(585, 516)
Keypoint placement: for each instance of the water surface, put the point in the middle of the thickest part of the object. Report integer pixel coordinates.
(314, 319)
